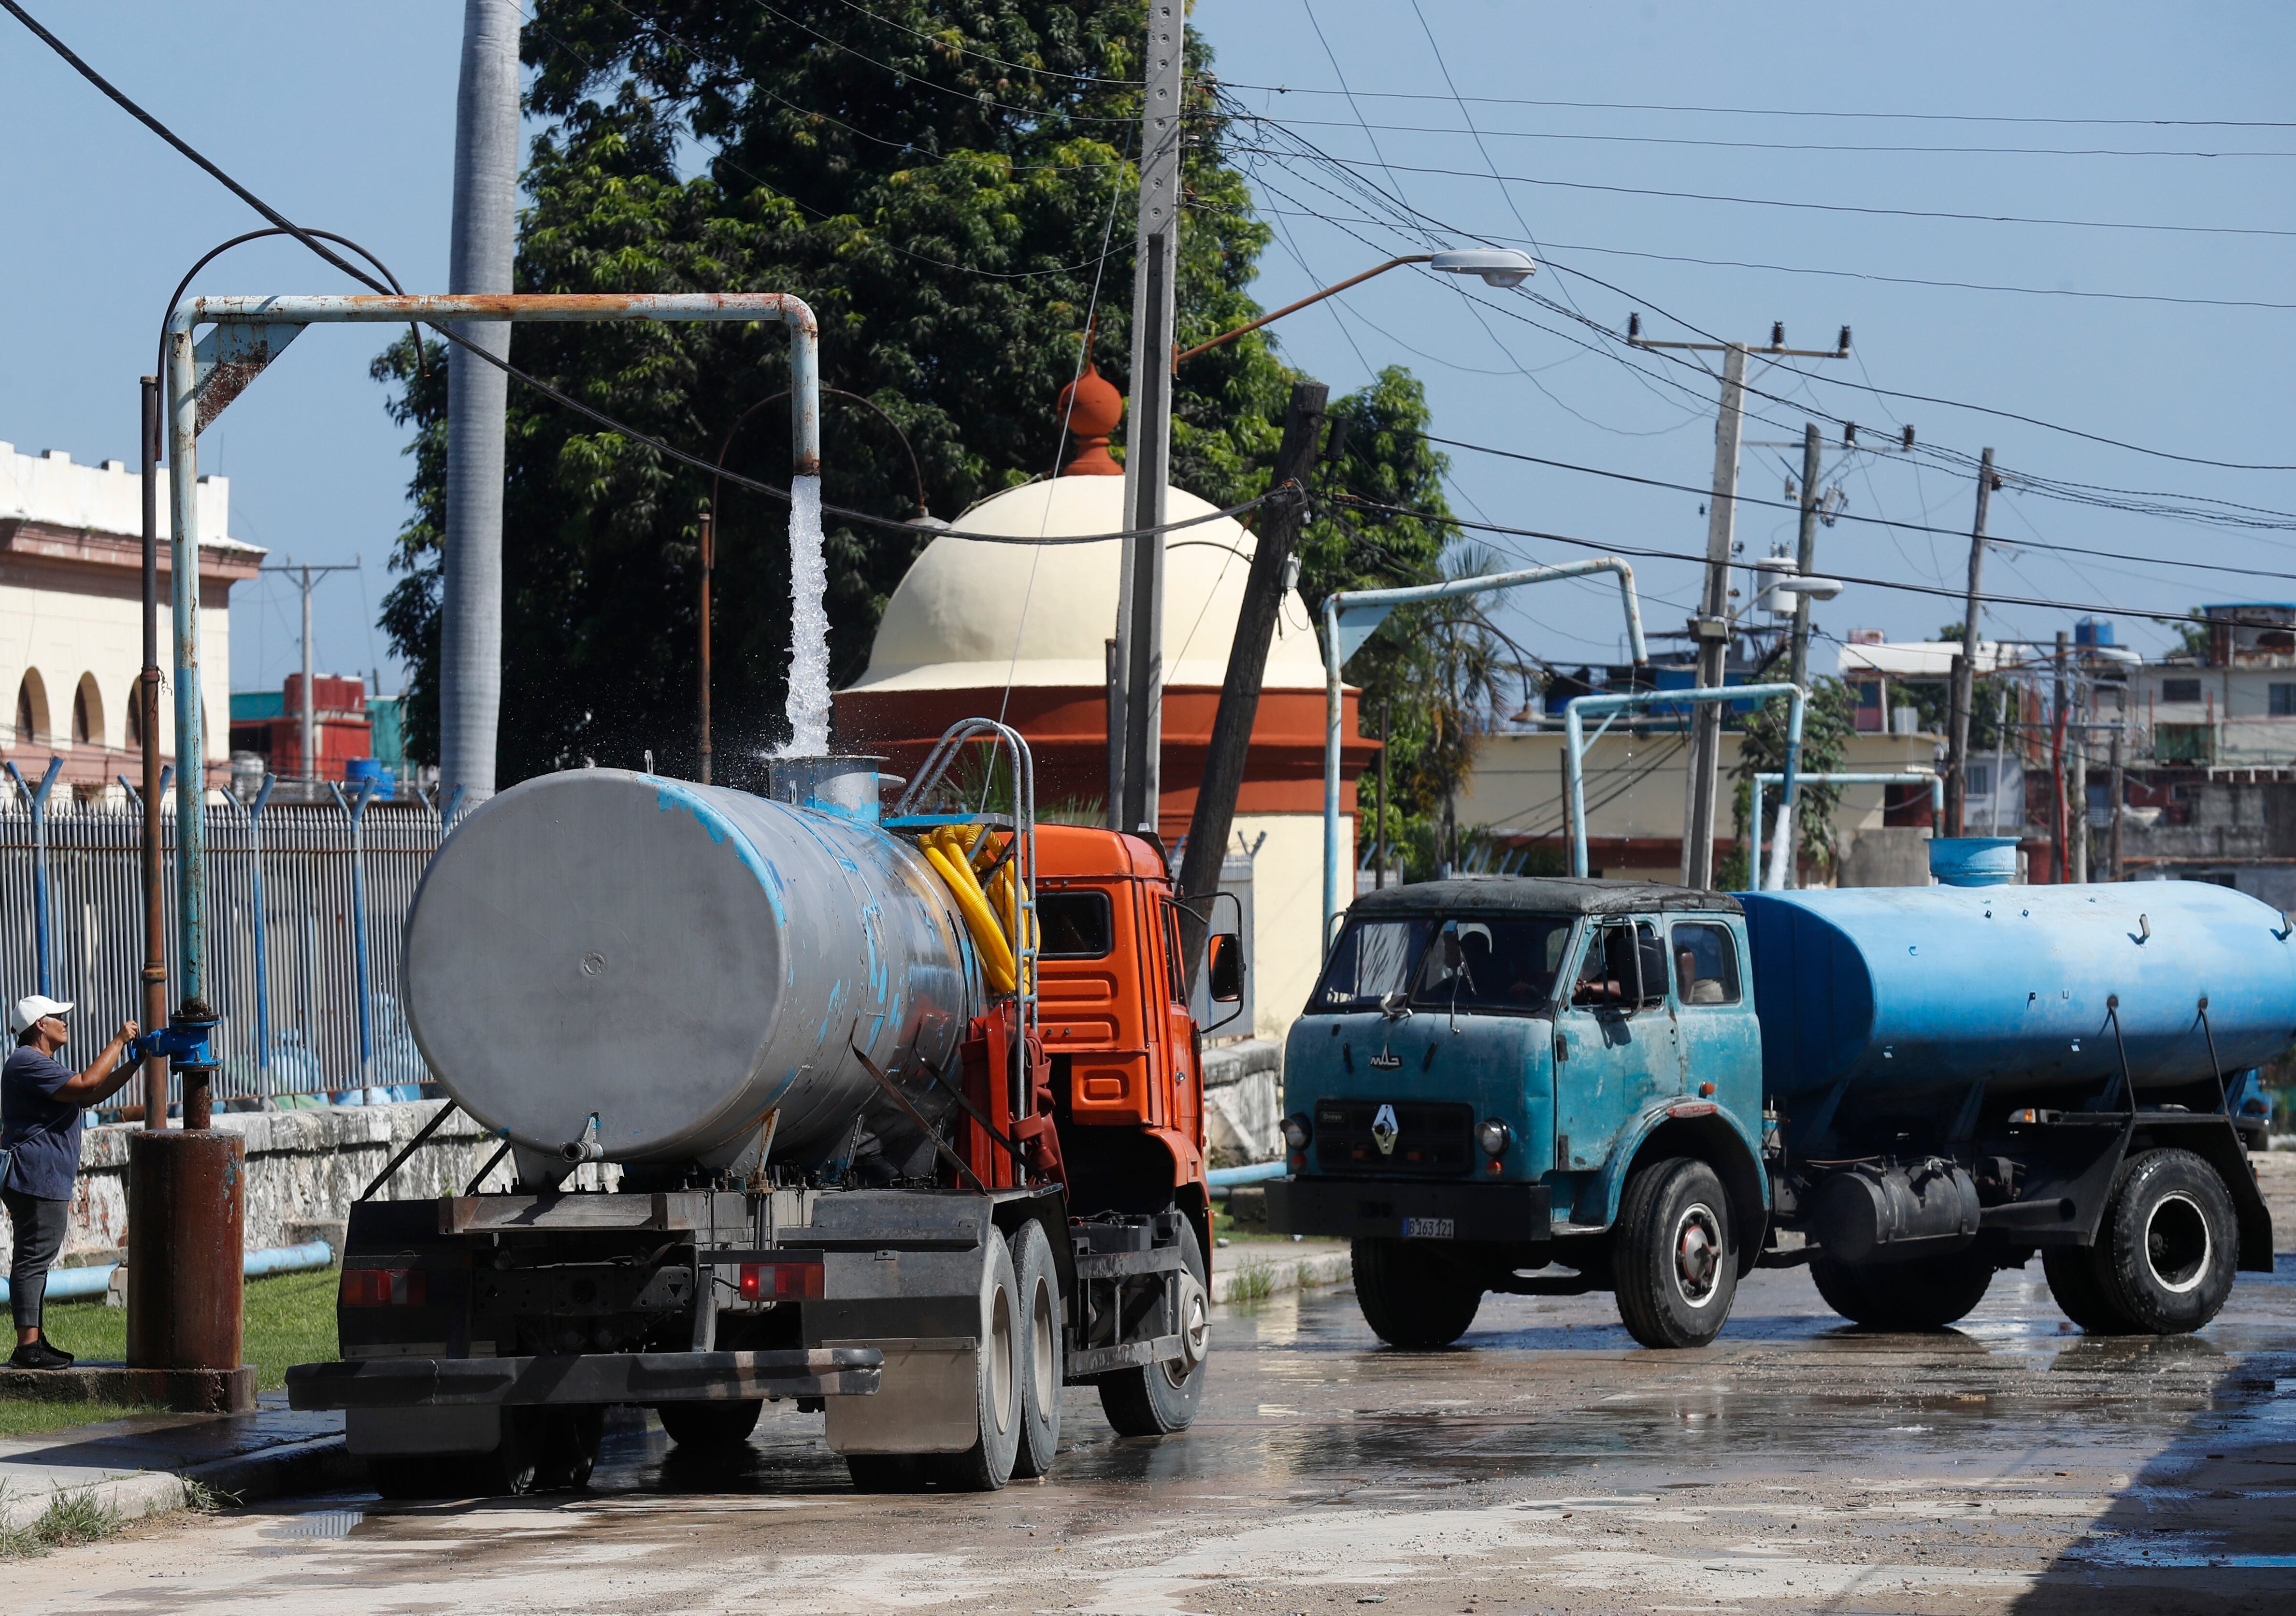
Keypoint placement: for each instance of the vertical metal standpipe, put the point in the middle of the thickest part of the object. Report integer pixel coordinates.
(187, 1187)
(481, 254)
(310, 714)
(709, 561)
(1712, 627)
(147, 692)
(1379, 830)
(262, 933)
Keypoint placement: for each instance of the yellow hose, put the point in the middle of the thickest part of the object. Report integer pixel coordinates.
(995, 952)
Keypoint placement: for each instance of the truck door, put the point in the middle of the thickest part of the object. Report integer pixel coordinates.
(1616, 1042)
(1179, 1055)
(1719, 1044)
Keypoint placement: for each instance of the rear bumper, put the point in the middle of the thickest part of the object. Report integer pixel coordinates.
(1393, 1209)
(585, 1377)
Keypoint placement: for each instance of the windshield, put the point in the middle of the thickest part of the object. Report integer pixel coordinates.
(1466, 963)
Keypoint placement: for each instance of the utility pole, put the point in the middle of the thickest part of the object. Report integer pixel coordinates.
(481, 255)
(2076, 769)
(1710, 628)
(1964, 677)
(1805, 561)
(2058, 832)
(1379, 833)
(307, 719)
(2120, 788)
(1148, 448)
(1247, 666)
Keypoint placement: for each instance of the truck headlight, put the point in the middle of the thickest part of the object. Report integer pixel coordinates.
(1296, 1131)
(1493, 1137)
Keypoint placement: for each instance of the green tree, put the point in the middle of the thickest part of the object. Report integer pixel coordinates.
(939, 182)
(1826, 728)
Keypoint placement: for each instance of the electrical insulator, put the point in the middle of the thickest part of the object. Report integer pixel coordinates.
(1848, 434)
(1777, 333)
(1845, 343)
(1634, 327)
(1909, 434)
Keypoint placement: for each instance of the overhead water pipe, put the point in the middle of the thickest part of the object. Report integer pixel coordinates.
(1351, 616)
(249, 331)
(1762, 781)
(1574, 731)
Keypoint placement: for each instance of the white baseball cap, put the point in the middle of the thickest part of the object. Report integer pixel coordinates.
(31, 1008)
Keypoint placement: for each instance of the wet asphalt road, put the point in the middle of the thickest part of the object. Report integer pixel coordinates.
(1548, 1464)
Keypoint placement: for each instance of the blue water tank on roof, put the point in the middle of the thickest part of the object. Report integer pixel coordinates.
(1910, 987)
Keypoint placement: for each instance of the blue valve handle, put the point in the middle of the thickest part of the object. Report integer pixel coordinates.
(182, 1044)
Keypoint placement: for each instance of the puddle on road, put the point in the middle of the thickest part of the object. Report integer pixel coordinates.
(319, 1523)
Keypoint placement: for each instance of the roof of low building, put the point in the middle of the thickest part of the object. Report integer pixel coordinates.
(1540, 895)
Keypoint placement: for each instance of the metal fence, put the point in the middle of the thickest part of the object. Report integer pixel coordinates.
(309, 996)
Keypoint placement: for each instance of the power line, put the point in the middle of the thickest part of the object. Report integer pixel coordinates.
(1631, 106)
(1946, 591)
(1771, 201)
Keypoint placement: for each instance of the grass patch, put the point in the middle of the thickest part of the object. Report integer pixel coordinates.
(1251, 1283)
(288, 1318)
(22, 1417)
(70, 1519)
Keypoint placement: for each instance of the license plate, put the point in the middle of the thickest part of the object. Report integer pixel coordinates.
(1429, 1228)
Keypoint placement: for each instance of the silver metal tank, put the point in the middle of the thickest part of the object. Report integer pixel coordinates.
(677, 961)
(1901, 988)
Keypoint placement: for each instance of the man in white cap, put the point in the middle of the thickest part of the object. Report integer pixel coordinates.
(42, 1103)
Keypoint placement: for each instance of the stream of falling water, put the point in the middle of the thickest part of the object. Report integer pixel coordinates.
(808, 675)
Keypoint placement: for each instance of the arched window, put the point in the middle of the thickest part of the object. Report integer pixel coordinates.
(135, 715)
(87, 713)
(31, 708)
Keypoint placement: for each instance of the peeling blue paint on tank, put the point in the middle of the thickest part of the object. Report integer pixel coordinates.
(671, 799)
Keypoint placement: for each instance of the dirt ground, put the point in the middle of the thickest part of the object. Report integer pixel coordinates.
(1547, 1464)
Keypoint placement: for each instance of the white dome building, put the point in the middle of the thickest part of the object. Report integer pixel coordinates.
(1023, 631)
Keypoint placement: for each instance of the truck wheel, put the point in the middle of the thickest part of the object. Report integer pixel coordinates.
(1159, 1398)
(712, 1427)
(1927, 1293)
(2170, 1243)
(1412, 1296)
(1673, 1256)
(2078, 1287)
(566, 1447)
(996, 1382)
(1043, 1365)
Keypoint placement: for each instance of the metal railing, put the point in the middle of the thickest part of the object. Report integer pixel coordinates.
(301, 897)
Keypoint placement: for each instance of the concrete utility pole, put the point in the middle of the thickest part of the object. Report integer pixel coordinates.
(1710, 628)
(1964, 676)
(2077, 772)
(308, 718)
(2120, 788)
(1805, 556)
(481, 255)
(1132, 805)
(1247, 666)
(2060, 833)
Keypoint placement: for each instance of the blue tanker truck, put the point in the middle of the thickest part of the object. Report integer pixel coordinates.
(1548, 1087)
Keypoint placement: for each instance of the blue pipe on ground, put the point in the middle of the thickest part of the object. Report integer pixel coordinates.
(78, 1285)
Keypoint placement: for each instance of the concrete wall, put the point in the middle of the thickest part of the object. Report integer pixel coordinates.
(1244, 1100)
(1287, 904)
(303, 1166)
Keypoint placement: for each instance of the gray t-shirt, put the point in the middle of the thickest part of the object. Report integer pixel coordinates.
(40, 1131)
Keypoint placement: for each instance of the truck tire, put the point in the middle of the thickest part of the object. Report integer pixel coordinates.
(1043, 1362)
(710, 1427)
(1674, 1257)
(1157, 1399)
(2170, 1243)
(1927, 1293)
(1411, 1296)
(566, 1447)
(2075, 1281)
(987, 1464)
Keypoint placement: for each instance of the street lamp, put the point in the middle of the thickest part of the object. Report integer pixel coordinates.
(1495, 266)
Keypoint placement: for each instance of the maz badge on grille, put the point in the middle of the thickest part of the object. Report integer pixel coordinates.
(1385, 1129)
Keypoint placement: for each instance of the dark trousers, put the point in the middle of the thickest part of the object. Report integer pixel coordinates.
(39, 1230)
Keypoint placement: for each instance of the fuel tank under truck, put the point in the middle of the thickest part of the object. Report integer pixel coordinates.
(647, 971)
(1892, 994)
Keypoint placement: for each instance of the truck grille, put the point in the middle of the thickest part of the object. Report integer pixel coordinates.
(1432, 1141)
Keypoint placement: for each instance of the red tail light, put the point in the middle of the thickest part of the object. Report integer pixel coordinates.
(383, 1288)
(780, 1281)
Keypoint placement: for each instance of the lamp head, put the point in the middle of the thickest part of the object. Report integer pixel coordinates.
(1498, 265)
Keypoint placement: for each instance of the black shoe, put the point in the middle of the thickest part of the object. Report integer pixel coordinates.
(39, 1355)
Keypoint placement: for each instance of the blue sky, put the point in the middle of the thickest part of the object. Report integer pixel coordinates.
(349, 128)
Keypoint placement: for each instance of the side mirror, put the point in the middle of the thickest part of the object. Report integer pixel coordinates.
(1225, 971)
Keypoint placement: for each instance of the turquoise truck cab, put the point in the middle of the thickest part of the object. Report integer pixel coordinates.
(1499, 1078)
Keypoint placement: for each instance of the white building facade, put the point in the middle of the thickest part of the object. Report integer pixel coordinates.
(72, 615)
